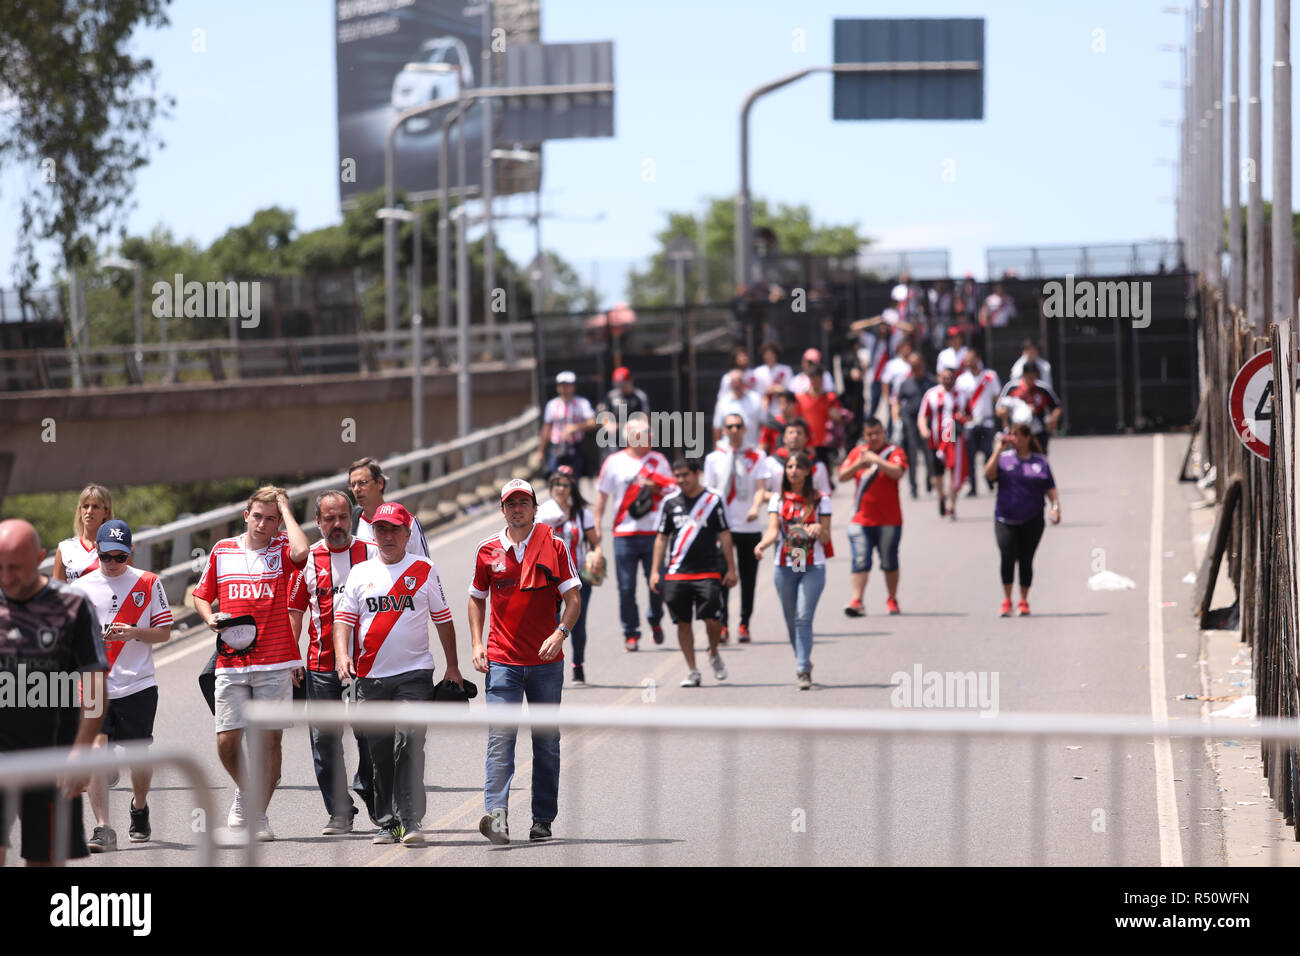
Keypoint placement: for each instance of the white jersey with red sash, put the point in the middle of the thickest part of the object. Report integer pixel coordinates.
(315, 592)
(946, 413)
(390, 606)
(618, 480)
(736, 476)
(134, 598)
(980, 392)
(78, 558)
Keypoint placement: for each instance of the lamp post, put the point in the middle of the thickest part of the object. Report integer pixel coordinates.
(118, 262)
(395, 215)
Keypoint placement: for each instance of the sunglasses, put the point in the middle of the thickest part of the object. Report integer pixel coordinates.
(735, 427)
(117, 557)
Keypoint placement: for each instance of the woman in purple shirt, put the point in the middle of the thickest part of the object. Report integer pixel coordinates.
(1023, 478)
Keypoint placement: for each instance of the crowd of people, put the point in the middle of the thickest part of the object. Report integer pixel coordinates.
(693, 527)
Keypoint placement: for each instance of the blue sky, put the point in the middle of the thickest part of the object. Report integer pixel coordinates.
(1068, 152)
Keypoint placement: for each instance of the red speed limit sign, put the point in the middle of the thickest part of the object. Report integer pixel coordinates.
(1250, 402)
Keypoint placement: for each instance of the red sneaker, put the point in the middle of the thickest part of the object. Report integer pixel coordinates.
(1023, 609)
(1006, 607)
(744, 634)
(631, 644)
(855, 609)
(726, 635)
(892, 606)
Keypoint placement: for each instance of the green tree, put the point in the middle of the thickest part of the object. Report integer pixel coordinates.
(80, 125)
(795, 231)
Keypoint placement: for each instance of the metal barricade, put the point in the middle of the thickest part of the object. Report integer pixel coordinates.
(865, 770)
(25, 768)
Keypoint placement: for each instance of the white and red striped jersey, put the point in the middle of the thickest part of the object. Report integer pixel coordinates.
(980, 392)
(775, 473)
(736, 476)
(240, 581)
(571, 531)
(945, 413)
(135, 598)
(78, 557)
(618, 480)
(558, 413)
(792, 509)
(389, 606)
(415, 544)
(316, 590)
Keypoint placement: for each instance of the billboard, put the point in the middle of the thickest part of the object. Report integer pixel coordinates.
(395, 54)
(915, 94)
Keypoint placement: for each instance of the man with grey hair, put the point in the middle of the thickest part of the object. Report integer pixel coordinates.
(315, 592)
(368, 482)
(46, 628)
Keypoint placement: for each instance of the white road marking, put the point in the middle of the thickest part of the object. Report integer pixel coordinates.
(1171, 849)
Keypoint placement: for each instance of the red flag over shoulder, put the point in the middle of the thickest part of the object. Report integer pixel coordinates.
(540, 568)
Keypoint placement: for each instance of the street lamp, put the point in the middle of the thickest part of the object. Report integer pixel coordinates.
(395, 214)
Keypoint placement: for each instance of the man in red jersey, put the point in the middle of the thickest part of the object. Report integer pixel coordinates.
(316, 592)
(252, 575)
(530, 574)
(875, 467)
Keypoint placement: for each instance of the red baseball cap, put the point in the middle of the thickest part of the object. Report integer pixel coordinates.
(392, 513)
(812, 355)
(953, 330)
(622, 374)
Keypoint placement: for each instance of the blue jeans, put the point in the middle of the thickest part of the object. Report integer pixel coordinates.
(863, 539)
(579, 640)
(558, 456)
(631, 551)
(511, 684)
(327, 755)
(799, 592)
(875, 390)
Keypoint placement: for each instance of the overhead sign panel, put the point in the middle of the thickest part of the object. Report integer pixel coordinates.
(568, 116)
(950, 89)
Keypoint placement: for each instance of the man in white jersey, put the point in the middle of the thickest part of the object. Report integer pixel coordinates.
(735, 470)
(979, 388)
(368, 482)
(315, 593)
(635, 479)
(566, 419)
(388, 602)
(794, 439)
(132, 608)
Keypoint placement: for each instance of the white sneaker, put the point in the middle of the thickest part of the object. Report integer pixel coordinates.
(692, 679)
(235, 818)
(719, 672)
(264, 834)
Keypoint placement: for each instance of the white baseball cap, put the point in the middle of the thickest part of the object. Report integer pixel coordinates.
(566, 378)
(515, 485)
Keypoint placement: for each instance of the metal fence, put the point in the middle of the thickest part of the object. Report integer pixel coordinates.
(863, 770)
(917, 263)
(451, 476)
(1108, 259)
(217, 360)
(41, 768)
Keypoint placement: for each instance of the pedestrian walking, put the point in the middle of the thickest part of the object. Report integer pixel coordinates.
(875, 467)
(979, 388)
(575, 525)
(907, 401)
(529, 574)
(1023, 478)
(76, 556)
(799, 525)
(566, 419)
(691, 530)
(736, 471)
(941, 421)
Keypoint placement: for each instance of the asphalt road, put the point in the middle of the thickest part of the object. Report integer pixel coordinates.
(687, 798)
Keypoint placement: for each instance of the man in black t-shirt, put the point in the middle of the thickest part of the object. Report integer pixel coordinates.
(48, 635)
(906, 405)
(693, 522)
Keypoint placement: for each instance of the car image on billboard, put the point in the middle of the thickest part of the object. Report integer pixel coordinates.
(415, 87)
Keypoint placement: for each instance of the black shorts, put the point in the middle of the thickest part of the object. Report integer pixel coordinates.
(37, 809)
(700, 598)
(131, 717)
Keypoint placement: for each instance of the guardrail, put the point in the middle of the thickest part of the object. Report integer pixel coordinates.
(45, 766)
(873, 802)
(229, 359)
(452, 474)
